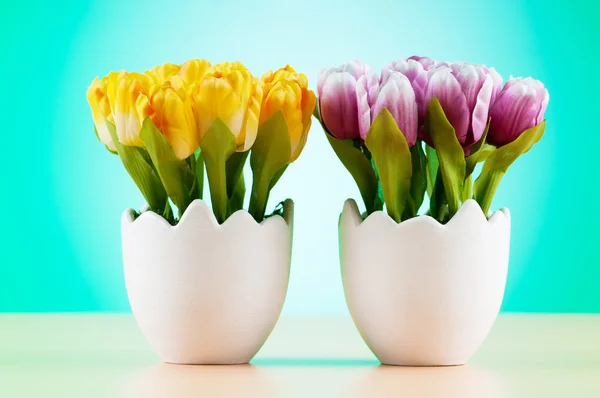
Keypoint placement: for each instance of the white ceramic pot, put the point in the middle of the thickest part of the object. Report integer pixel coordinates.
(422, 293)
(204, 293)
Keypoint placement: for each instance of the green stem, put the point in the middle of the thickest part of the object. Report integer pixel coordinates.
(259, 196)
(236, 201)
(379, 200)
(453, 204)
(199, 174)
(437, 197)
(485, 201)
(168, 213)
(468, 188)
(218, 188)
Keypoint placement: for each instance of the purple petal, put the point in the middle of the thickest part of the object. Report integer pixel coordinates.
(398, 96)
(481, 110)
(357, 68)
(323, 75)
(497, 84)
(540, 116)
(444, 86)
(516, 110)
(371, 85)
(416, 73)
(420, 87)
(363, 107)
(409, 68)
(471, 79)
(425, 61)
(338, 105)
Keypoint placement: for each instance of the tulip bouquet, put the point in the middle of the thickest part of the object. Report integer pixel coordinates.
(171, 123)
(422, 126)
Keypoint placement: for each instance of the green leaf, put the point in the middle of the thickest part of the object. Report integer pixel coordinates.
(175, 173)
(418, 182)
(391, 154)
(438, 197)
(271, 151)
(236, 200)
(235, 167)
(141, 172)
(277, 176)
(433, 165)
(479, 152)
(450, 154)
(468, 189)
(499, 161)
(379, 200)
(217, 146)
(199, 172)
(359, 167)
(477, 146)
(236, 186)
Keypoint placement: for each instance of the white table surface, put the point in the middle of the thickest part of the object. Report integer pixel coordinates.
(94, 355)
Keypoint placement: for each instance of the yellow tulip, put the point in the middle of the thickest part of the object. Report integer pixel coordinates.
(231, 93)
(170, 109)
(168, 106)
(288, 91)
(194, 70)
(132, 87)
(98, 95)
(162, 73)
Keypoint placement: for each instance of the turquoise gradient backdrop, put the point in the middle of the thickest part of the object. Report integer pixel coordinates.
(63, 194)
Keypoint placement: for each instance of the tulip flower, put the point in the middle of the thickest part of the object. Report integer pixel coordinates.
(520, 105)
(194, 71)
(167, 105)
(229, 92)
(161, 73)
(288, 91)
(465, 92)
(340, 109)
(426, 62)
(170, 109)
(130, 88)
(98, 97)
(397, 95)
(415, 69)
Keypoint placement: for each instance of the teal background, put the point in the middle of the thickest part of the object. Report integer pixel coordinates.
(63, 194)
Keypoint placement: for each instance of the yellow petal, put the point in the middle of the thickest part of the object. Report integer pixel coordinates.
(98, 100)
(215, 98)
(286, 90)
(194, 71)
(309, 101)
(125, 112)
(250, 128)
(161, 73)
(177, 121)
(112, 82)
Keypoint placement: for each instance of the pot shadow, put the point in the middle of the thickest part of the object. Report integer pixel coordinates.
(170, 380)
(448, 381)
(315, 362)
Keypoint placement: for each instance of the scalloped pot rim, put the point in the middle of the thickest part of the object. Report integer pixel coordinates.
(469, 206)
(199, 209)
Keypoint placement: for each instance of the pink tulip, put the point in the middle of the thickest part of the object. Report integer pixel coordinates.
(397, 95)
(427, 63)
(520, 105)
(465, 92)
(341, 111)
(415, 69)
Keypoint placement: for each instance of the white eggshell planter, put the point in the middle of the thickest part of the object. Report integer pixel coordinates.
(422, 293)
(204, 293)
